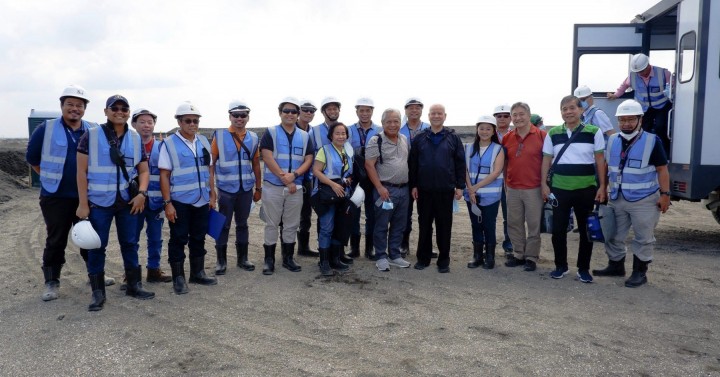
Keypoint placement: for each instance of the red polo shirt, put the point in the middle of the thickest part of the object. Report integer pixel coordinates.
(523, 160)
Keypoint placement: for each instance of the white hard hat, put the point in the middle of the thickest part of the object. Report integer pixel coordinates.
(504, 108)
(187, 108)
(629, 107)
(307, 103)
(638, 62)
(141, 111)
(84, 236)
(364, 101)
(582, 91)
(486, 119)
(237, 105)
(290, 100)
(358, 196)
(75, 91)
(328, 100)
(413, 101)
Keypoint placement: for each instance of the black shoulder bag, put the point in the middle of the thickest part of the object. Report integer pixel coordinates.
(551, 172)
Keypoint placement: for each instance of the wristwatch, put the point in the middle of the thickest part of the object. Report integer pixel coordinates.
(144, 193)
(258, 189)
(166, 202)
(665, 193)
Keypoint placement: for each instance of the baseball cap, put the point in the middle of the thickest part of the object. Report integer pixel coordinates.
(413, 101)
(116, 98)
(142, 111)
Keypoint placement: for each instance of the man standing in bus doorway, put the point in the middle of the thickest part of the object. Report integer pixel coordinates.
(591, 113)
(652, 87)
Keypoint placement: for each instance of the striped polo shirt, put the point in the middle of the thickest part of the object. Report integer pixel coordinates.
(576, 168)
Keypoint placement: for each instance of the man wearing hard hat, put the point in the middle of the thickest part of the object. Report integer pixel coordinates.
(51, 153)
(307, 114)
(639, 191)
(652, 88)
(502, 118)
(591, 113)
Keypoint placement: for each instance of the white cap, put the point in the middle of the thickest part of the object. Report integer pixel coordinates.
(290, 100)
(364, 101)
(328, 100)
(307, 103)
(142, 111)
(187, 108)
(76, 91)
(413, 101)
(638, 62)
(486, 119)
(629, 107)
(238, 105)
(582, 91)
(504, 108)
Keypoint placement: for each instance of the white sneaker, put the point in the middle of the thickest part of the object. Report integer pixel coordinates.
(382, 265)
(399, 262)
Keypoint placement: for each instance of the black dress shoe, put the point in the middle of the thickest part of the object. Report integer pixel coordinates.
(514, 262)
(530, 265)
(444, 270)
(434, 254)
(421, 266)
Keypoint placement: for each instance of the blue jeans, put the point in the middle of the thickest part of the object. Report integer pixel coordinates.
(237, 205)
(326, 225)
(483, 230)
(101, 218)
(190, 229)
(155, 222)
(390, 224)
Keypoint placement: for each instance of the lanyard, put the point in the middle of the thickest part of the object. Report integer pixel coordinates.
(624, 153)
(477, 177)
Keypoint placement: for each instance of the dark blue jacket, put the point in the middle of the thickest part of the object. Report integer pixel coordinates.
(437, 161)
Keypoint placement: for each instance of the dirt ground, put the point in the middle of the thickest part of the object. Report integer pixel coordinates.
(502, 322)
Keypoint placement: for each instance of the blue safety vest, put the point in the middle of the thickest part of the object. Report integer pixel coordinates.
(54, 153)
(155, 200)
(288, 157)
(479, 167)
(356, 138)
(319, 136)
(650, 94)
(233, 165)
(190, 176)
(637, 179)
(105, 179)
(405, 130)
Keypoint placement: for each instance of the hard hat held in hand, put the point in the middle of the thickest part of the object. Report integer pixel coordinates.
(358, 196)
(84, 236)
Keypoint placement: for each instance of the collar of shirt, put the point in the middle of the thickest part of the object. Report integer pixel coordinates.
(240, 134)
(190, 144)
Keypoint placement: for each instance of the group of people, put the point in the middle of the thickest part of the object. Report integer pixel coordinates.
(115, 171)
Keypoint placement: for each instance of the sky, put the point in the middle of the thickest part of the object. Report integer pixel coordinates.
(467, 55)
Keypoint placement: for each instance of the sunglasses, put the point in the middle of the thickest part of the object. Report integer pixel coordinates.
(308, 110)
(239, 115)
(502, 116)
(116, 109)
(289, 111)
(191, 121)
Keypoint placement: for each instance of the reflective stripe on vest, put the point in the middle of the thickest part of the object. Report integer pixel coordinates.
(104, 177)
(231, 162)
(334, 164)
(405, 130)
(356, 139)
(491, 192)
(288, 157)
(650, 94)
(639, 179)
(155, 200)
(190, 178)
(54, 152)
(320, 136)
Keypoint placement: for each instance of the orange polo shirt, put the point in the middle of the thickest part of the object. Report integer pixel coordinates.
(241, 136)
(523, 160)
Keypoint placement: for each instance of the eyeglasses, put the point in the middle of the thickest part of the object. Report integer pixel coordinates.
(289, 111)
(191, 121)
(308, 110)
(116, 109)
(239, 115)
(519, 150)
(502, 116)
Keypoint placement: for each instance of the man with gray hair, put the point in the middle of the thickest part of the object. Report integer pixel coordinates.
(386, 156)
(523, 146)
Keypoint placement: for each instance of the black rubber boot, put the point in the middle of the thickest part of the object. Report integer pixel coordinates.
(221, 265)
(477, 256)
(344, 258)
(242, 257)
(52, 282)
(489, 256)
(269, 266)
(134, 284)
(638, 276)
(614, 268)
(335, 263)
(197, 272)
(178, 277)
(324, 264)
(97, 284)
(354, 246)
(369, 248)
(288, 250)
(303, 238)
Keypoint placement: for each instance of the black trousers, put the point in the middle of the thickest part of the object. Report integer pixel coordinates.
(190, 229)
(656, 121)
(434, 207)
(59, 215)
(306, 210)
(582, 201)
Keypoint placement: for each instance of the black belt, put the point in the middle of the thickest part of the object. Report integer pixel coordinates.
(398, 185)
